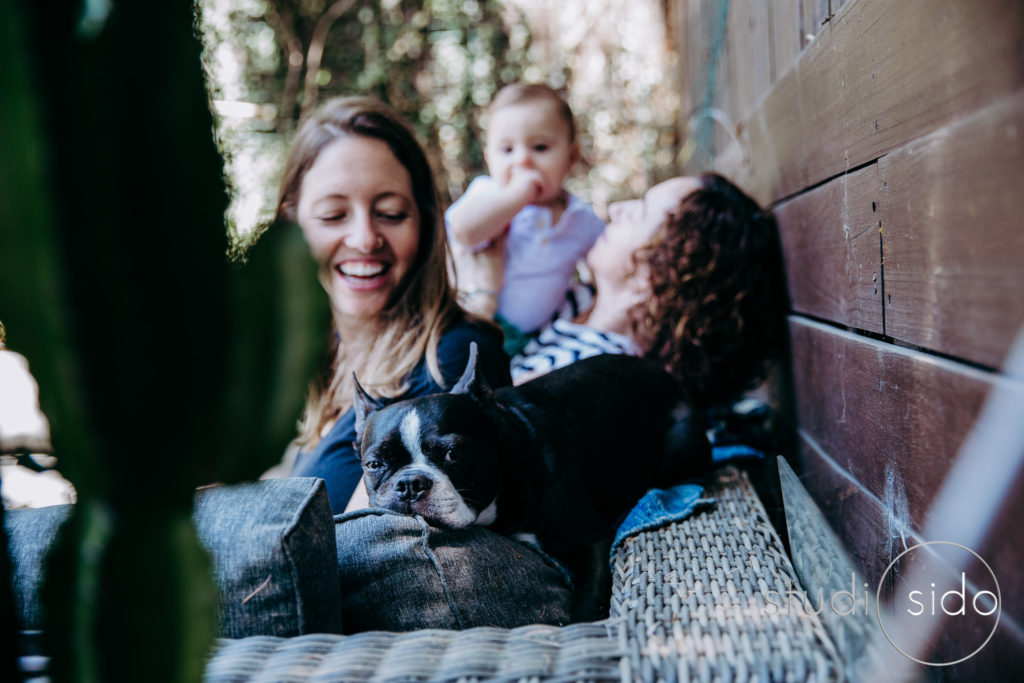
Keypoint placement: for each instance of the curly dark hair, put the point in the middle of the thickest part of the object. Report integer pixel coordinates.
(716, 317)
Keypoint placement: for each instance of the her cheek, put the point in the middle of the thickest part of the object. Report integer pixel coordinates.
(319, 247)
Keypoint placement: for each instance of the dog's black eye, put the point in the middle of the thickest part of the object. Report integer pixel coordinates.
(449, 455)
(373, 464)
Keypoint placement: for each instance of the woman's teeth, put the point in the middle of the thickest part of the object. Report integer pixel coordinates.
(361, 269)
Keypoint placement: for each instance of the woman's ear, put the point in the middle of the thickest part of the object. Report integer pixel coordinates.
(287, 210)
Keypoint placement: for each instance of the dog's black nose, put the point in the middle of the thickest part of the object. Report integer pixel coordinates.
(413, 487)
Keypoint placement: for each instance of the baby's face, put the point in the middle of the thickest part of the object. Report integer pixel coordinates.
(531, 137)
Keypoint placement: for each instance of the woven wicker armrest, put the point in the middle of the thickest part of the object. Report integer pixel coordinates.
(702, 599)
(715, 598)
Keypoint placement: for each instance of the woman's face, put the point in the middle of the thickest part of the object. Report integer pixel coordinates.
(633, 224)
(357, 212)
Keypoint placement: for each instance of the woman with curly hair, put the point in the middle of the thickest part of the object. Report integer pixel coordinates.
(690, 275)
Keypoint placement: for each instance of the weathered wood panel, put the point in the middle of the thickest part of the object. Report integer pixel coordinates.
(689, 43)
(813, 14)
(870, 533)
(878, 75)
(953, 238)
(830, 242)
(723, 128)
(748, 41)
(893, 418)
(704, 78)
(786, 39)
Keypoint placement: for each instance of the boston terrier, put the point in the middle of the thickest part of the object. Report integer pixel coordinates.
(557, 461)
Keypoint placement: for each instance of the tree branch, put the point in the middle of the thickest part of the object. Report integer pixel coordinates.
(316, 52)
(281, 23)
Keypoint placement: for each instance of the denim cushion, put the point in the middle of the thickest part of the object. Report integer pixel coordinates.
(30, 535)
(400, 574)
(272, 544)
(272, 549)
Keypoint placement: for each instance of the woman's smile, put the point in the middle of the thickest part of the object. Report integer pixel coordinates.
(363, 275)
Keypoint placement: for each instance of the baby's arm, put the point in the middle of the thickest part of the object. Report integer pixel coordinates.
(481, 217)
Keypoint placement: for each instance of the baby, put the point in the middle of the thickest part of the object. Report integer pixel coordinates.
(517, 235)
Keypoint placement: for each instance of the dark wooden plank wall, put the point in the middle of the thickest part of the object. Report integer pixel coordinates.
(889, 139)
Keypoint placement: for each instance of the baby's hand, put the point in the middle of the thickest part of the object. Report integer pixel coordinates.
(527, 184)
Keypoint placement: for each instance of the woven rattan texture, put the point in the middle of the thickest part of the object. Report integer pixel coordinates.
(705, 599)
(580, 652)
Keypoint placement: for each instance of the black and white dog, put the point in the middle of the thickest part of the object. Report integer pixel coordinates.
(558, 460)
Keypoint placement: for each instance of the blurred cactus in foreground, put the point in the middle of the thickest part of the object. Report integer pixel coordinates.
(161, 365)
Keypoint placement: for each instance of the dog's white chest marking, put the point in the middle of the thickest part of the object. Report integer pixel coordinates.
(410, 431)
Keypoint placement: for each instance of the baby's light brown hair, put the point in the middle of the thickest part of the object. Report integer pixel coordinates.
(520, 93)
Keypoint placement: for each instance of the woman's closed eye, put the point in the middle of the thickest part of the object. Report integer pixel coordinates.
(332, 216)
(393, 216)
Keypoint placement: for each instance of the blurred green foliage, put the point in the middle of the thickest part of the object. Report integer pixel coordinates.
(437, 62)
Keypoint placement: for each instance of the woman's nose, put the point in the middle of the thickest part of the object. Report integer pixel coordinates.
(620, 211)
(362, 235)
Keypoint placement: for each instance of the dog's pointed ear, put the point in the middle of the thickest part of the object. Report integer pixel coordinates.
(363, 406)
(471, 382)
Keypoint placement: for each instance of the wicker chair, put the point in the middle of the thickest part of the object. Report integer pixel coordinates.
(690, 601)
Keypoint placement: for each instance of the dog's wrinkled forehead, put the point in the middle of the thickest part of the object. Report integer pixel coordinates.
(412, 422)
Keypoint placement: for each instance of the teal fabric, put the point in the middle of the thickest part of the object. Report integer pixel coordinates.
(515, 341)
(660, 507)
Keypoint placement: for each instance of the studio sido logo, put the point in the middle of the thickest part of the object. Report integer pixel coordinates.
(930, 598)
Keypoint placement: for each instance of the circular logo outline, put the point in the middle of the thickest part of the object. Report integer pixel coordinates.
(878, 602)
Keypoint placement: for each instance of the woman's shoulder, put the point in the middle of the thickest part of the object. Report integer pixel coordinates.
(453, 351)
(453, 355)
(467, 330)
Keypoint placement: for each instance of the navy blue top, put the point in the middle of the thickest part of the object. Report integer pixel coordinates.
(334, 458)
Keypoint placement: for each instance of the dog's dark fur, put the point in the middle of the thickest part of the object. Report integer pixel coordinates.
(558, 460)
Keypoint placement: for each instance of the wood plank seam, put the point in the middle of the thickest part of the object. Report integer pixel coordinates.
(881, 266)
(896, 343)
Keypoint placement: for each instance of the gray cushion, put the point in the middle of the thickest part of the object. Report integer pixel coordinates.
(397, 573)
(272, 544)
(272, 549)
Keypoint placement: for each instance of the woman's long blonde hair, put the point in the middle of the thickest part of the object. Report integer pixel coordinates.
(424, 304)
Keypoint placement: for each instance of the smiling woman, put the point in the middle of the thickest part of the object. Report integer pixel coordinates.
(358, 184)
